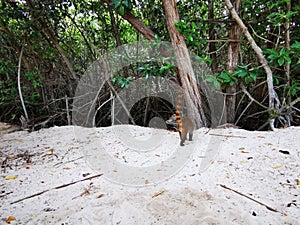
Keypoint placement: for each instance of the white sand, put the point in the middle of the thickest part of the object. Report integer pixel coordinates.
(149, 179)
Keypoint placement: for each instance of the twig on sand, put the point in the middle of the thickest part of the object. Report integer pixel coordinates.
(57, 187)
(229, 136)
(246, 196)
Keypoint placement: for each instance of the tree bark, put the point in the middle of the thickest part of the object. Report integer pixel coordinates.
(262, 60)
(233, 56)
(212, 36)
(184, 66)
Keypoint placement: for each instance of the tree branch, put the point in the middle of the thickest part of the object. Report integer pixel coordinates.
(136, 23)
(262, 60)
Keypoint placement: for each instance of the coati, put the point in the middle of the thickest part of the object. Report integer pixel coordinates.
(184, 125)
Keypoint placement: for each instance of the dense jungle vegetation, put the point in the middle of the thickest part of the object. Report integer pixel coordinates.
(251, 47)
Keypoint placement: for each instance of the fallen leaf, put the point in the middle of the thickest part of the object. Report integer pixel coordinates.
(100, 196)
(20, 140)
(146, 181)
(260, 136)
(11, 177)
(244, 152)
(158, 193)
(50, 150)
(228, 175)
(86, 192)
(244, 161)
(298, 181)
(277, 167)
(10, 218)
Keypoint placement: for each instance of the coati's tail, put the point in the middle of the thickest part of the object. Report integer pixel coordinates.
(178, 110)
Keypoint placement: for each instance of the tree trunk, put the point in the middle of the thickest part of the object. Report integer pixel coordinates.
(184, 66)
(233, 56)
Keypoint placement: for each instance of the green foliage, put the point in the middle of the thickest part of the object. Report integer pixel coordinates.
(294, 88)
(226, 78)
(213, 79)
(296, 50)
(122, 6)
(279, 17)
(241, 73)
(123, 82)
(246, 74)
(34, 78)
(155, 69)
(191, 32)
(279, 57)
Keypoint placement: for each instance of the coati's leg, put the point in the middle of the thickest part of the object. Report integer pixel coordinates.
(191, 136)
(182, 138)
(182, 142)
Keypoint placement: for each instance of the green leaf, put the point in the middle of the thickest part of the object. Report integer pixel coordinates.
(296, 45)
(248, 80)
(280, 61)
(190, 38)
(287, 59)
(121, 10)
(282, 51)
(253, 75)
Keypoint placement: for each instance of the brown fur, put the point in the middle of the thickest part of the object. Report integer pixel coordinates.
(185, 125)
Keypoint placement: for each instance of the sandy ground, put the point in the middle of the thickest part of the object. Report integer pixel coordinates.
(133, 175)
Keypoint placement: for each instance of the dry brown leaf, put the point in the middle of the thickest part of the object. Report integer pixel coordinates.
(11, 177)
(50, 150)
(158, 193)
(86, 192)
(10, 219)
(100, 196)
(244, 151)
